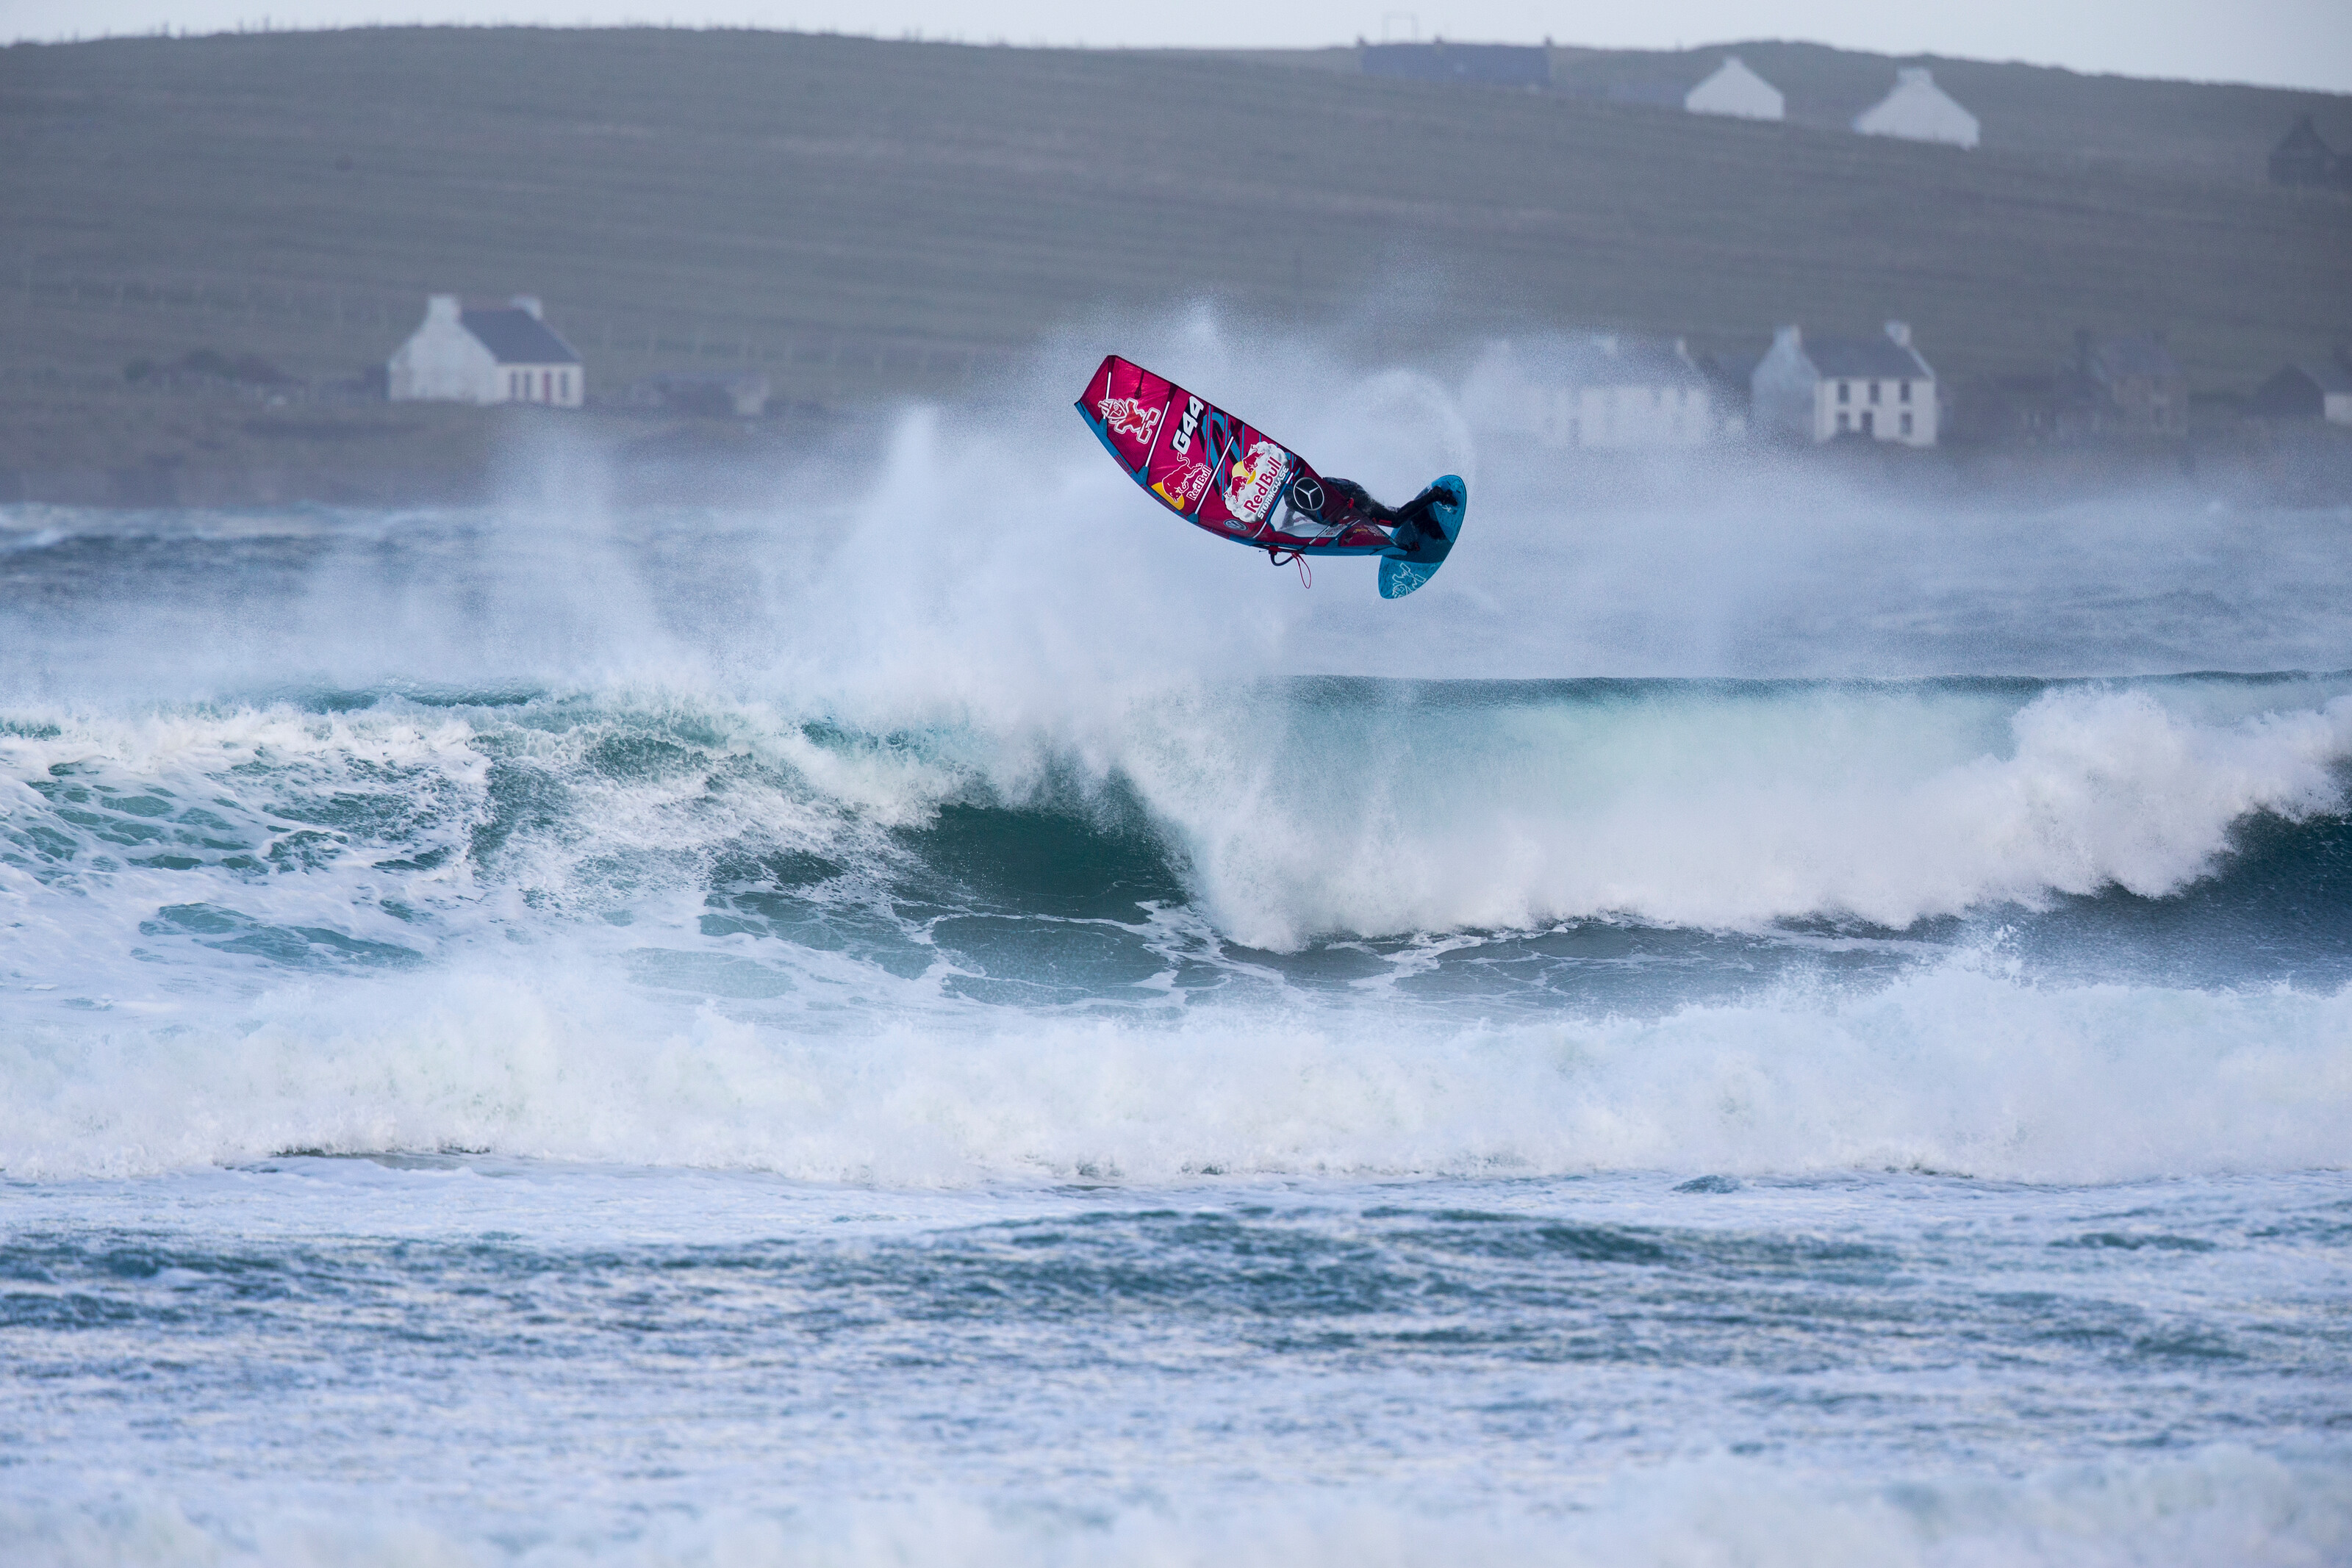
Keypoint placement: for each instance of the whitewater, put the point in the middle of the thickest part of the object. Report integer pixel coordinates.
(1778, 1013)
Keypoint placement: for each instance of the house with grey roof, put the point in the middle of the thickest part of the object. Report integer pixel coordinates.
(2131, 385)
(1819, 389)
(2128, 386)
(477, 353)
(2315, 389)
(1606, 391)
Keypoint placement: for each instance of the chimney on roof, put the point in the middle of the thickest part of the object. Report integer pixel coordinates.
(1791, 337)
(441, 308)
(528, 302)
(1901, 332)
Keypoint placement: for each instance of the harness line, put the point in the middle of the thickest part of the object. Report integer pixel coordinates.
(1305, 574)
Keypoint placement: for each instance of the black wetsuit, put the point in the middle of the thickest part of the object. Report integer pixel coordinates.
(1410, 525)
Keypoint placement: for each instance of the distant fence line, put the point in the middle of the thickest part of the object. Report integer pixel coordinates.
(386, 320)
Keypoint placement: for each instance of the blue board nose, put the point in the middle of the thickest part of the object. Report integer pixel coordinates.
(1399, 575)
(1449, 512)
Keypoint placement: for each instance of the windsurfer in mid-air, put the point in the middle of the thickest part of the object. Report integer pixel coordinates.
(1410, 525)
(1232, 480)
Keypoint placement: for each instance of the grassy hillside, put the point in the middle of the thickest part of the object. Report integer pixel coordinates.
(2222, 130)
(854, 215)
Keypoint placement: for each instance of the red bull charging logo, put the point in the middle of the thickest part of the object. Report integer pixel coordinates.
(1184, 487)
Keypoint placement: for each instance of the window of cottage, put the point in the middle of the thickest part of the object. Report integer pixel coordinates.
(1874, 392)
(1906, 424)
(1845, 391)
(1905, 395)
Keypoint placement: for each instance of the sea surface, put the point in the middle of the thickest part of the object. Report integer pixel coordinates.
(1764, 1017)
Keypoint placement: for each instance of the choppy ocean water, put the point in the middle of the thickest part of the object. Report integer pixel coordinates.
(1751, 1023)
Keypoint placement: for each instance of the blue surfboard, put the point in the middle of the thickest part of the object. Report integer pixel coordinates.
(1402, 569)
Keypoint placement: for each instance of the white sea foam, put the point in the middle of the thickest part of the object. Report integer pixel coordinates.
(1295, 815)
(1954, 1069)
(1716, 811)
(522, 1036)
(2219, 1505)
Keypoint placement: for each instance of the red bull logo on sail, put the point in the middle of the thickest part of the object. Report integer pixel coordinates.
(1255, 480)
(1184, 487)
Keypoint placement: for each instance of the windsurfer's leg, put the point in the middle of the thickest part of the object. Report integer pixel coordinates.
(1356, 498)
(1416, 521)
(1412, 522)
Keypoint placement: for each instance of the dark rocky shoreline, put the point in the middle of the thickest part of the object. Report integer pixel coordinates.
(416, 456)
(227, 451)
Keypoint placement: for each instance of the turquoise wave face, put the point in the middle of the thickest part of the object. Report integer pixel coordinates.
(1315, 818)
(1637, 844)
(1291, 925)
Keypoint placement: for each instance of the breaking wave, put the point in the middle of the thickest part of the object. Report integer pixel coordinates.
(1308, 927)
(1950, 1070)
(1283, 813)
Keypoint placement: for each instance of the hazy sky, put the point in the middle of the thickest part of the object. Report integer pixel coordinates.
(2300, 43)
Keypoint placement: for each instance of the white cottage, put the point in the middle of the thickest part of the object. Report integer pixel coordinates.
(1606, 392)
(1918, 111)
(487, 354)
(1736, 90)
(1874, 389)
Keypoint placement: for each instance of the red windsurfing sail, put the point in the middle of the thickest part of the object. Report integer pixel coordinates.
(1212, 469)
